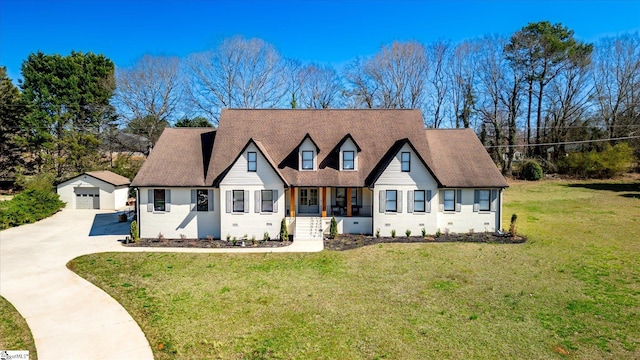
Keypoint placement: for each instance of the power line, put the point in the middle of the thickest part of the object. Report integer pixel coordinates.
(563, 143)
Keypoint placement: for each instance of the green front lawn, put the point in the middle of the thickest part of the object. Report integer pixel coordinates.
(14, 331)
(572, 290)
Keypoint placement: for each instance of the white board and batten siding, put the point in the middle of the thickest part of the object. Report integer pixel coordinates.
(418, 178)
(180, 216)
(252, 221)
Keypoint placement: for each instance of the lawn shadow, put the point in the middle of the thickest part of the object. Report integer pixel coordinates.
(630, 190)
(107, 224)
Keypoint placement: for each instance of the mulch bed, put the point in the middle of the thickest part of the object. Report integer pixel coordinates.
(348, 242)
(205, 243)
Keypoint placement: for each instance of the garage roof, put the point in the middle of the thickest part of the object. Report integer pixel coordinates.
(109, 177)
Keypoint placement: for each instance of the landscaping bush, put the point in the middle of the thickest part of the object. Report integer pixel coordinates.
(513, 229)
(134, 231)
(284, 232)
(531, 170)
(28, 207)
(610, 162)
(333, 228)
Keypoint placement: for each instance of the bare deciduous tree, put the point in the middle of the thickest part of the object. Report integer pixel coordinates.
(149, 94)
(320, 87)
(438, 53)
(617, 83)
(395, 78)
(240, 73)
(461, 71)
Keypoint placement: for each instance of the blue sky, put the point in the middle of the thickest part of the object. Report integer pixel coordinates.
(327, 32)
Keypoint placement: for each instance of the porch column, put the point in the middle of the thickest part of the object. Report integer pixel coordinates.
(292, 202)
(323, 202)
(349, 206)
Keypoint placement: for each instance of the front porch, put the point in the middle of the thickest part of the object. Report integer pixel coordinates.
(309, 210)
(329, 201)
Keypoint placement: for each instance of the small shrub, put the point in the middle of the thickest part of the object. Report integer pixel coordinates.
(183, 237)
(333, 228)
(160, 236)
(407, 232)
(133, 231)
(531, 170)
(377, 233)
(446, 231)
(210, 237)
(393, 233)
(424, 232)
(266, 236)
(228, 237)
(234, 240)
(284, 232)
(253, 239)
(438, 233)
(513, 228)
(471, 231)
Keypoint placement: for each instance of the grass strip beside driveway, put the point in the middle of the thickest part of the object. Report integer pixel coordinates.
(14, 331)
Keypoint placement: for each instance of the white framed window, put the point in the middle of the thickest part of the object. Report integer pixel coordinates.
(307, 160)
(348, 160)
(252, 161)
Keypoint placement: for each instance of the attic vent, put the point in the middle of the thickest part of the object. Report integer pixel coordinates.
(421, 224)
(449, 223)
(355, 223)
(486, 223)
(269, 224)
(235, 225)
(387, 225)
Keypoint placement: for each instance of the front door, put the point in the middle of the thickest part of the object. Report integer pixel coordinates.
(308, 201)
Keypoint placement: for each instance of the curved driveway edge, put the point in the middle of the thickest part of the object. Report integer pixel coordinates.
(69, 317)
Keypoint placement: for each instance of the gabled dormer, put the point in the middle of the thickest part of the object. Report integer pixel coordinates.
(308, 154)
(348, 153)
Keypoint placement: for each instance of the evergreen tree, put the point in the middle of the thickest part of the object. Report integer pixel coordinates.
(69, 97)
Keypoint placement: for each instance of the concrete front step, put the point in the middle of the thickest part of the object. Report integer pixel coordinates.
(308, 228)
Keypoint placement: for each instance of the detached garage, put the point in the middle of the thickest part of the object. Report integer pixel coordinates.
(95, 190)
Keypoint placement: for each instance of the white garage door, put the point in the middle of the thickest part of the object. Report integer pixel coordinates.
(87, 198)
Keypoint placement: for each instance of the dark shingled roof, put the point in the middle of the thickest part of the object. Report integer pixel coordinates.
(191, 157)
(180, 158)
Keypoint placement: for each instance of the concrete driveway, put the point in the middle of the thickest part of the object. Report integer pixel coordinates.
(69, 317)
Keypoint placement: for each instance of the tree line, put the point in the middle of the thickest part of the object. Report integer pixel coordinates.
(532, 92)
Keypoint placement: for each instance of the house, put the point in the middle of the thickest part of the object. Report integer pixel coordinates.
(371, 169)
(95, 190)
